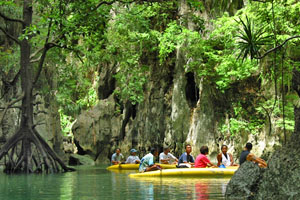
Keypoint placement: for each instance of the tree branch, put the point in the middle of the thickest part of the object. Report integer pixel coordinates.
(260, 1)
(104, 2)
(10, 36)
(10, 19)
(10, 83)
(35, 53)
(124, 2)
(45, 49)
(36, 60)
(277, 47)
(68, 48)
(10, 104)
(3, 108)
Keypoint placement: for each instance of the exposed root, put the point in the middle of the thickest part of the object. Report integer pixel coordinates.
(27, 152)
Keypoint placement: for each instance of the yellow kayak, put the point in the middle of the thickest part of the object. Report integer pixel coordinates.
(136, 166)
(191, 172)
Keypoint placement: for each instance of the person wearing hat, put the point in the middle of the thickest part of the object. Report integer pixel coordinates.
(133, 158)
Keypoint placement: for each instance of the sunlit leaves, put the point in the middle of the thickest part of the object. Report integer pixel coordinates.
(170, 39)
(135, 36)
(251, 39)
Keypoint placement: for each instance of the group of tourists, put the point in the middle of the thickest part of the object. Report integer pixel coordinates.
(186, 160)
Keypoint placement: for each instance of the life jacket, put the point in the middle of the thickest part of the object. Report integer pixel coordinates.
(226, 160)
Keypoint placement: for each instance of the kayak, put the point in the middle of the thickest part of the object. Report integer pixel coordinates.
(189, 172)
(182, 180)
(136, 166)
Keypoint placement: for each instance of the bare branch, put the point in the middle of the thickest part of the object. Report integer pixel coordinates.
(260, 1)
(43, 56)
(10, 36)
(10, 104)
(38, 124)
(10, 19)
(35, 53)
(36, 60)
(11, 83)
(3, 108)
(40, 67)
(277, 47)
(124, 2)
(104, 2)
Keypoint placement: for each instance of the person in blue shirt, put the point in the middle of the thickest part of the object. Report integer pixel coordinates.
(147, 162)
(186, 159)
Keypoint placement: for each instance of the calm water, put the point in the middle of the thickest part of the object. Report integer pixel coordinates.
(98, 183)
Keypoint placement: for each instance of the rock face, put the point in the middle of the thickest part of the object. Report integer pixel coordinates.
(245, 181)
(279, 181)
(282, 178)
(178, 108)
(97, 130)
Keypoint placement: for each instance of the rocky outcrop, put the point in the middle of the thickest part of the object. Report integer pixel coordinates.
(75, 159)
(97, 130)
(245, 181)
(281, 179)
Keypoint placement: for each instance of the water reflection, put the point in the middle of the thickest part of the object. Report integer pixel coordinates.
(98, 183)
(186, 188)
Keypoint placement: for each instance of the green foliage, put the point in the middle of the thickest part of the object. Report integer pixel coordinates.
(214, 58)
(275, 108)
(134, 37)
(195, 4)
(251, 39)
(238, 126)
(169, 40)
(9, 59)
(65, 122)
(76, 91)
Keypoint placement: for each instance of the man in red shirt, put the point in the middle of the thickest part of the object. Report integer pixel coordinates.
(202, 161)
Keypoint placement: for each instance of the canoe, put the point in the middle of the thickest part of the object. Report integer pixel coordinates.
(189, 172)
(136, 166)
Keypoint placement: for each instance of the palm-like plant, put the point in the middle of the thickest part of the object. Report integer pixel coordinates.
(251, 40)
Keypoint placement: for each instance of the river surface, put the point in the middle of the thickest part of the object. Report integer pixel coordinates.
(91, 183)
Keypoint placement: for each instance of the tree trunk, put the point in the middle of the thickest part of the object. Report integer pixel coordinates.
(27, 151)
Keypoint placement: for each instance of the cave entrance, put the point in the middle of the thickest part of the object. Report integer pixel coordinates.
(191, 90)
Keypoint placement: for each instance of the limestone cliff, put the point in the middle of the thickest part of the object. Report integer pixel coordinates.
(178, 108)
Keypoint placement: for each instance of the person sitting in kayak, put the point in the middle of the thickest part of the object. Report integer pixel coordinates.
(202, 161)
(117, 157)
(247, 156)
(166, 157)
(224, 158)
(147, 162)
(186, 159)
(133, 158)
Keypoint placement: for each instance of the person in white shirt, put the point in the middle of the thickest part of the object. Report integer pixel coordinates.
(133, 158)
(167, 158)
(225, 158)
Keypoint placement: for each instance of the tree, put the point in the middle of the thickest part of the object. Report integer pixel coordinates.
(27, 151)
(61, 24)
